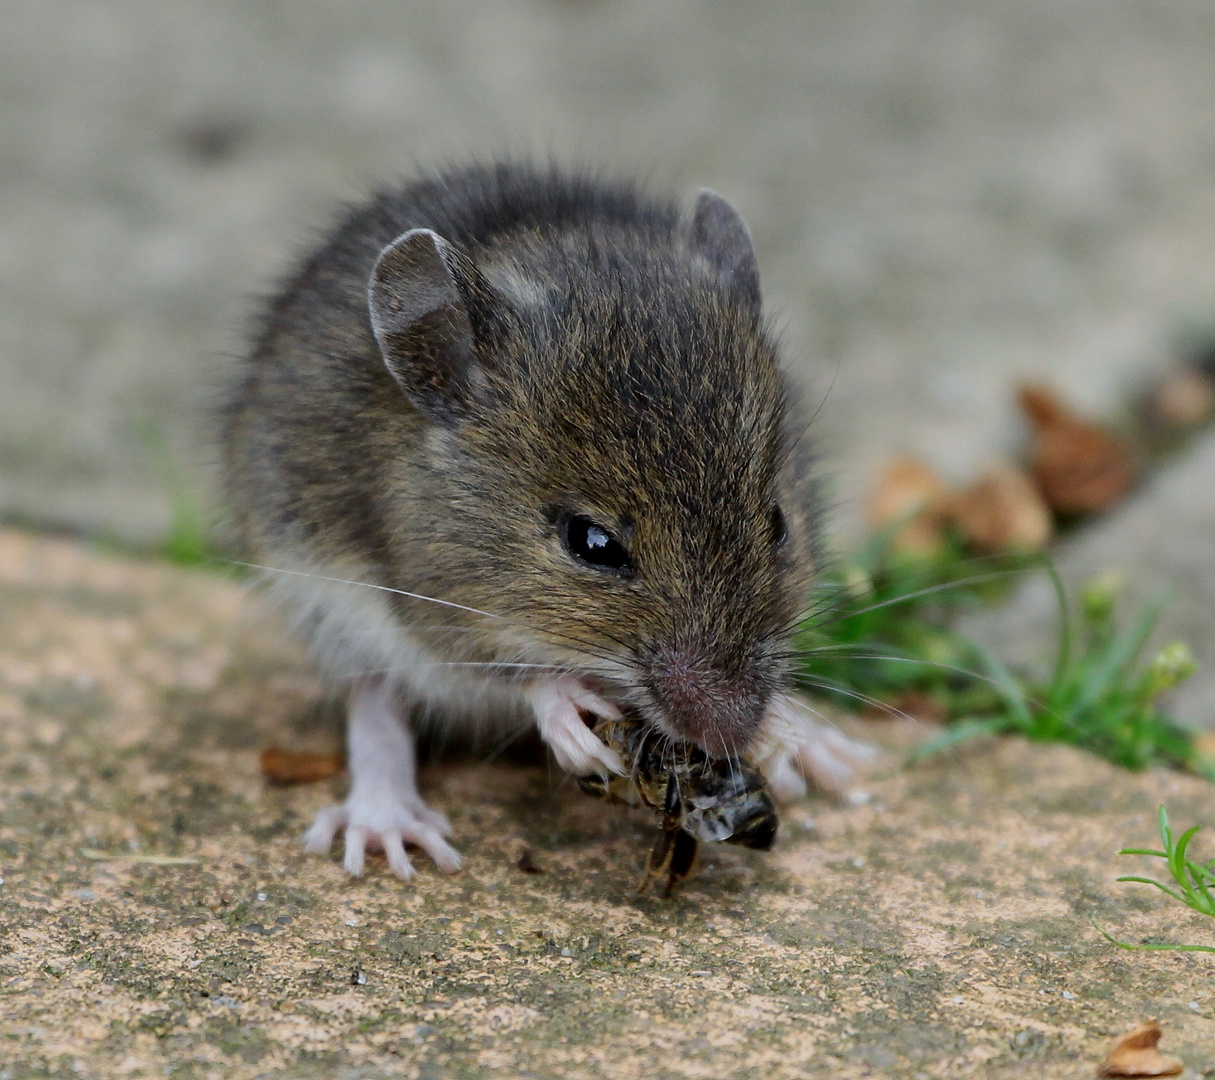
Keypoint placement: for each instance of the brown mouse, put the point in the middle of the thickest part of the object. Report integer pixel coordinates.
(514, 445)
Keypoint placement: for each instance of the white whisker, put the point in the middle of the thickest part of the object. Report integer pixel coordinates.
(369, 585)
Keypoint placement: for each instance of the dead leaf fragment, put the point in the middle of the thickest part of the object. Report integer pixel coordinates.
(94, 855)
(1003, 511)
(1135, 1054)
(1184, 399)
(281, 766)
(1080, 468)
(911, 493)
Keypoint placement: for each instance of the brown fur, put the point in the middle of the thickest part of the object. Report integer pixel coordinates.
(620, 369)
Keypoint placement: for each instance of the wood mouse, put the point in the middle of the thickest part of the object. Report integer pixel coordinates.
(514, 445)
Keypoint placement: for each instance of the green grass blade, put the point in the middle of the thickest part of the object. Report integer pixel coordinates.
(1150, 947)
(1119, 659)
(1152, 881)
(1011, 692)
(1177, 859)
(1063, 656)
(957, 732)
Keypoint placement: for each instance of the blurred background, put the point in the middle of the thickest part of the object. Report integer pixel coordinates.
(947, 196)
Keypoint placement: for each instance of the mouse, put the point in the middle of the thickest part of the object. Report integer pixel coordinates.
(514, 445)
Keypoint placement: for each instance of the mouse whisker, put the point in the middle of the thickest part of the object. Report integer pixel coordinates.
(846, 691)
(366, 585)
(580, 645)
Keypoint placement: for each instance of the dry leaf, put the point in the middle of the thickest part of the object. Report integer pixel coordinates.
(1135, 1054)
(149, 860)
(1184, 399)
(281, 766)
(911, 493)
(1002, 511)
(1080, 468)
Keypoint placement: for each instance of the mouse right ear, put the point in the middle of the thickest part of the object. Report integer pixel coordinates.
(420, 320)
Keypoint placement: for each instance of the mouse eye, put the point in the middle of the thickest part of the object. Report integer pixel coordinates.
(591, 543)
(780, 531)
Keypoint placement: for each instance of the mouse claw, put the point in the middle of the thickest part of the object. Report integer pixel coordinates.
(558, 706)
(371, 826)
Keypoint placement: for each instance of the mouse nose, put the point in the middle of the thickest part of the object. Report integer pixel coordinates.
(718, 707)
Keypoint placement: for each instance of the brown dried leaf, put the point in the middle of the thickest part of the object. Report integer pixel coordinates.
(1002, 511)
(911, 493)
(1080, 468)
(1184, 399)
(281, 766)
(1135, 1054)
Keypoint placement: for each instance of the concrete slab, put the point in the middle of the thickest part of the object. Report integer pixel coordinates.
(934, 925)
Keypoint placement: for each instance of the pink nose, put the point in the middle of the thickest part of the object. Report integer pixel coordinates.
(704, 704)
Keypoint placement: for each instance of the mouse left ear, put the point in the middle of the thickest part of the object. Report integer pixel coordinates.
(721, 236)
(420, 319)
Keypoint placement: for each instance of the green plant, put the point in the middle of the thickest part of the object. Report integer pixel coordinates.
(188, 542)
(1100, 695)
(1193, 880)
(889, 634)
(883, 628)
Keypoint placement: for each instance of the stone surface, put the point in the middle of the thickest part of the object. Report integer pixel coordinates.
(946, 195)
(935, 924)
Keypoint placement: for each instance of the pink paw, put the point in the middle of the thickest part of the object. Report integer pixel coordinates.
(383, 825)
(558, 706)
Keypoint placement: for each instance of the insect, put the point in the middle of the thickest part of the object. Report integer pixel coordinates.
(701, 799)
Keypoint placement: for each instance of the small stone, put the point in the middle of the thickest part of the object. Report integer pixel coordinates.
(566, 952)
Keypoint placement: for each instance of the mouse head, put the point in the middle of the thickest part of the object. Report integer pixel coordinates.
(609, 451)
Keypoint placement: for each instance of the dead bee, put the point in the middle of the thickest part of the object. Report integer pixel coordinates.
(700, 798)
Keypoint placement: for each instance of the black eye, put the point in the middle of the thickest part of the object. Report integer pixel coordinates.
(780, 531)
(592, 544)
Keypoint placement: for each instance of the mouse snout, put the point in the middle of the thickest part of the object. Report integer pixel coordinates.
(715, 705)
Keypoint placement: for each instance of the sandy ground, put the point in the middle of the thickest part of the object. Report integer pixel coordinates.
(934, 923)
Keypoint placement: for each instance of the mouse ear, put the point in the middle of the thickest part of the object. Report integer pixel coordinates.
(420, 320)
(721, 236)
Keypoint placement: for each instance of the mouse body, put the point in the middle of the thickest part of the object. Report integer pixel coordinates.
(514, 445)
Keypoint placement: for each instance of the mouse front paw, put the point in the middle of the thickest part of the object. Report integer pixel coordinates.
(794, 745)
(383, 825)
(559, 706)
